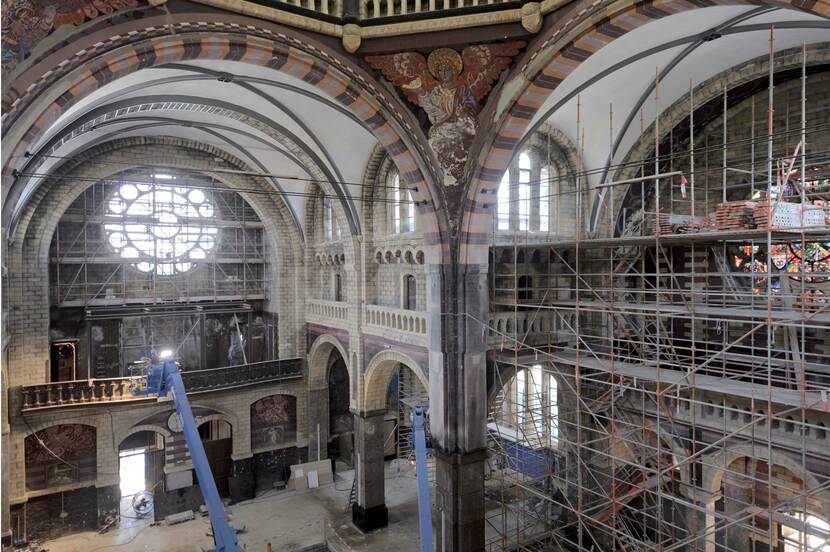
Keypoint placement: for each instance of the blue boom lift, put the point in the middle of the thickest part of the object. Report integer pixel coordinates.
(163, 377)
(419, 426)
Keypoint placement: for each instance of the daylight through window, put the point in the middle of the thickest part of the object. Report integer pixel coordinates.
(164, 229)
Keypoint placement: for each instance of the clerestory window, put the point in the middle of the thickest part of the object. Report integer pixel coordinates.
(401, 205)
(163, 229)
(331, 229)
(410, 287)
(527, 194)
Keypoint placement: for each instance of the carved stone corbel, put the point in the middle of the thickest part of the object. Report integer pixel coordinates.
(532, 17)
(351, 37)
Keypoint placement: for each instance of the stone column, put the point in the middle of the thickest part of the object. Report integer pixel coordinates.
(241, 483)
(458, 411)
(458, 512)
(369, 511)
(5, 511)
(109, 499)
(737, 491)
(318, 423)
(702, 520)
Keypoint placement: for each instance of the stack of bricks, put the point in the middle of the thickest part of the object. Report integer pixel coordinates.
(693, 225)
(760, 214)
(733, 215)
(665, 224)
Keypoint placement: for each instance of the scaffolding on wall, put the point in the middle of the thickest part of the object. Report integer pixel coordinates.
(148, 237)
(666, 387)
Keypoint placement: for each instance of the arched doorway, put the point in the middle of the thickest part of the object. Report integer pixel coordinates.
(217, 438)
(331, 426)
(341, 423)
(405, 391)
(787, 512)
(140, 468)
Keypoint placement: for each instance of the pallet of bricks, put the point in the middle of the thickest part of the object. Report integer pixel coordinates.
(740, 215)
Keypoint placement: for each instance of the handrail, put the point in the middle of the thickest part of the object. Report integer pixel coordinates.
(109, 390)
(402, 320)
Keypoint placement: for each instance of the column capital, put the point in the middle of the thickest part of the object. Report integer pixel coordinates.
(367, 413)
(460, 458)
(702, 496)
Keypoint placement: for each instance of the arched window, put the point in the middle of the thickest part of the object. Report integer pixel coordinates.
(534, 401)
(331, 229)
(338, 287)
(524, 191)
(165, 229)
(805, 533)
(527, 195)
(402, 206)
(521, 396)
(409, 292)
(524, 288)
(544, 198)
(537, 405)
(553, 409)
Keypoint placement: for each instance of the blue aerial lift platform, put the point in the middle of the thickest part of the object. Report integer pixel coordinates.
(163, 377)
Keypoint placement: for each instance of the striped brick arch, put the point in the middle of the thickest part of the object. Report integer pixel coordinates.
(590, 27)
(125, 54)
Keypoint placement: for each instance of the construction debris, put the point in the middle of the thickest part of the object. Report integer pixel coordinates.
(745, 215)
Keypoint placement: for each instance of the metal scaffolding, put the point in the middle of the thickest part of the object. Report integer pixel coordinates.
(132, 238)
(661, 368)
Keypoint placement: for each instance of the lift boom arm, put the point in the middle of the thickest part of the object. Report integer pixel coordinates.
(424, 515)
(163, 378)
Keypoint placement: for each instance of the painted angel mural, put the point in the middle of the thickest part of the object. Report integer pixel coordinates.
(26, 22)
(449, 87)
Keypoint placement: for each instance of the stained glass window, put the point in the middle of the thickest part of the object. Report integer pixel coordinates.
(165, 229)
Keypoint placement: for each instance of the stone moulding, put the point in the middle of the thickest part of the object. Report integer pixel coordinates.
(530, 16)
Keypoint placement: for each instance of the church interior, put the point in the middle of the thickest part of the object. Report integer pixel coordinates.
(415, 275)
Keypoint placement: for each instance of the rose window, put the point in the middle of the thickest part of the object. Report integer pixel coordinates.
(164, 229)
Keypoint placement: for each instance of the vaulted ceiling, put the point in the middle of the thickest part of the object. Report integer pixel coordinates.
(279, 125)
(689, 47)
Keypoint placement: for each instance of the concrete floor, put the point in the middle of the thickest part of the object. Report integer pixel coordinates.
(289, 520)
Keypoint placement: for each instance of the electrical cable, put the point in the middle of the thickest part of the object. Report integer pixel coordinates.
(221, 189)
(585, 172)
(237, 172)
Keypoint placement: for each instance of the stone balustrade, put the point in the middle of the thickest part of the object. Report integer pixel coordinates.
(408, 326)
(78, 392)
(114, 390)
(199, 381)
(328, 313)
(786, 431)
(371, 9)
(325, 7)
(524, 325)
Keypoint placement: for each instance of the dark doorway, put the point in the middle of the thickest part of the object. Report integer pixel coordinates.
(410, 295)
(218, 442)
(63, 360)
(340, 418)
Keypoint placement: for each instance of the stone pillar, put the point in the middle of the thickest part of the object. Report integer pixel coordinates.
(318, 419)
(369, 511)
(109, 504)
(5, 510)
(241, 482)
(458, 513)
(458, 411)
(737, 496)
(701, 520)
